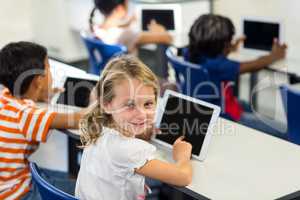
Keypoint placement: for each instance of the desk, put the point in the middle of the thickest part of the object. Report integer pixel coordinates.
(243, 163)
(288, 66)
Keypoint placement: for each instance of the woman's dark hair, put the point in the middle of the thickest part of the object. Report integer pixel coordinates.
(105, 7)
(18, 59)
(209, 36)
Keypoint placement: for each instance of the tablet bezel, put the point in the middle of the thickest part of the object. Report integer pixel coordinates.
(260, 19)
(160, 111)
(87, 77)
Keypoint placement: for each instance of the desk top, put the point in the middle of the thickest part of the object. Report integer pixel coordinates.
(243, 163)
(287, 65)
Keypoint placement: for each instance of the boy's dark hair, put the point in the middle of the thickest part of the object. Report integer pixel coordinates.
(18, 58)
(105, 7)
(209, 36)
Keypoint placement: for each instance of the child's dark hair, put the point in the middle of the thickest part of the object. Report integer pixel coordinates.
(105, 7)
(19, 58)
(209, 36)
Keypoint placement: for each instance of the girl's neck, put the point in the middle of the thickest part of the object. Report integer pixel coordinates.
(122, 131)
(110, 22)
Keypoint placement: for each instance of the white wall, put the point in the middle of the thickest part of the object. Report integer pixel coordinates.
(15, 20)
(285, 10)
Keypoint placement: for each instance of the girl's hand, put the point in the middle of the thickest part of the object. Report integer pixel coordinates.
(181, 150)
(154, 27)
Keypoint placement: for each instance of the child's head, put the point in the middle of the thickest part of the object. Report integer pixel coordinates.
(24, 66)
(126, 100)
(106, 7)
(210, 36)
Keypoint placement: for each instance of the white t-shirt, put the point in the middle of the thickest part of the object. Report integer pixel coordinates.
(117, 35)
(107, 168)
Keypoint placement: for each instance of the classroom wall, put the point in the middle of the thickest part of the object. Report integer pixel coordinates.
(286, 11)
(15, 21)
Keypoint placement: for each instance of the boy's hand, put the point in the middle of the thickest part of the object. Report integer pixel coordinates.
(181, 150)
(278, 50)
(48, 96)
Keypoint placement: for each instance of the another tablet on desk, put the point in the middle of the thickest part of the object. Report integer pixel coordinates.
(180, 115)
(77, 91)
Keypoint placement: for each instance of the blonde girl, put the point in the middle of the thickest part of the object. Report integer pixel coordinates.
(115, 162)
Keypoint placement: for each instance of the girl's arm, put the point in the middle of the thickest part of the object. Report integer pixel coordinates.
(156, 34)
(179, 174)
(154, 38)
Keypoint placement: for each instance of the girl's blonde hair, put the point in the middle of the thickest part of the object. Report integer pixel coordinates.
(118, 69)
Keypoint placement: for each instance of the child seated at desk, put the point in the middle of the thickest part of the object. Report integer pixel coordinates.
(113, 31)
(115, 162)
(25, 74)
(210, 42)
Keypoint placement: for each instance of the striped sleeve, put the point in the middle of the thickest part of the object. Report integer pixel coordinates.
(35, 123)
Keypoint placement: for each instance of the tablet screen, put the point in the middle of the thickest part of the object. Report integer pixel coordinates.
(260, 35)
(77, 92)
(163, 17)
(183, 117)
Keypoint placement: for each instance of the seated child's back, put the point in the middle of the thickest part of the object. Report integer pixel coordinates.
(25, 74)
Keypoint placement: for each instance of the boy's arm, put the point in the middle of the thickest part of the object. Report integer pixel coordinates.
(278, 52)
(66, 121)
(70, 120)
(256, 65)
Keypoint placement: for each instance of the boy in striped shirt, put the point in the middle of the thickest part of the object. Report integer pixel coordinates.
(25, 74)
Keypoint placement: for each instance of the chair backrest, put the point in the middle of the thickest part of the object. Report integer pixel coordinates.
(99, 52)
(291, 99)
(47, 191)
(192, 79)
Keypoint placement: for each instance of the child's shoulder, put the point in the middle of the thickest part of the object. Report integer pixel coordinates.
(7, 99)
(122, 141)
(124, 149)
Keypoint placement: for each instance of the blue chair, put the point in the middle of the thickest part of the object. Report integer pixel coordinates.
(192, 79)
(291, 99)
(99, 52)
(47, 191)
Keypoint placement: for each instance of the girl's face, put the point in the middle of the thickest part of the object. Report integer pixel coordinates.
(132, 107)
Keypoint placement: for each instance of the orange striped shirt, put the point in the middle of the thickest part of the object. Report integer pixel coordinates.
(22, 127)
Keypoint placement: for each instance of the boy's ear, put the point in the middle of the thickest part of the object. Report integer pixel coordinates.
(37, 81)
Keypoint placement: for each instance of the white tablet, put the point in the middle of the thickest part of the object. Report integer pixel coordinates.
(180, 115)
(77, 90)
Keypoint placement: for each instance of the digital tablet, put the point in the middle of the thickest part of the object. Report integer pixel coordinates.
(77, 91)
(180, 115)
